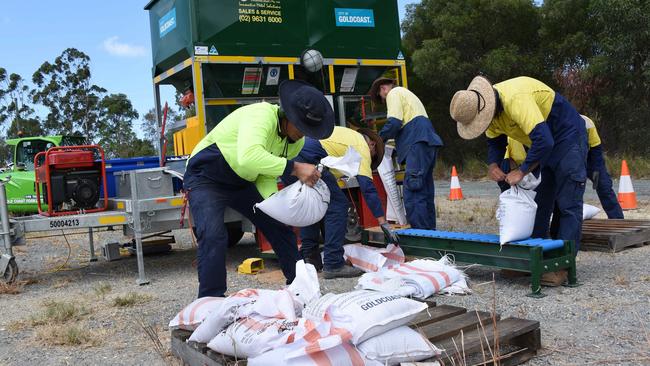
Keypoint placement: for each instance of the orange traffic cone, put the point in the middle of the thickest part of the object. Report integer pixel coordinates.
(626, 195)
(455, 192)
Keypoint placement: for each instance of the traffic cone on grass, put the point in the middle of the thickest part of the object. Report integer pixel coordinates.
(455, 192)
(626, 195)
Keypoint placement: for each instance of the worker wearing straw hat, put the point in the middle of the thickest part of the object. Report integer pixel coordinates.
(370, 148)
(416, 143)
(531, 113)
(596, 169)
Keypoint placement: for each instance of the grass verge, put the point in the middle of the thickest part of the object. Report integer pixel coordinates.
(131, 299)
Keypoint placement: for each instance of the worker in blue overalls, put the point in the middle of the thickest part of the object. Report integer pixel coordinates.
(417, 143)
(237, 165)
(530, 112)
(370, 148)
(596, 169)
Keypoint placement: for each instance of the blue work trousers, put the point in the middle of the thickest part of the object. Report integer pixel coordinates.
(596, 169)
(335, 226)
(419, 190)
(208, 204)
(562, 188)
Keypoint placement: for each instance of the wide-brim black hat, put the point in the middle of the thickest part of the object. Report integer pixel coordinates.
(379, 146)
(374, 89)
(307, 109)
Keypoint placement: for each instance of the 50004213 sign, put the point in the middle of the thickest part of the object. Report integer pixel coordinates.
(64, 223)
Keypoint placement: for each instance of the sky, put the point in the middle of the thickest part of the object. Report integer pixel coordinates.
(114, 34)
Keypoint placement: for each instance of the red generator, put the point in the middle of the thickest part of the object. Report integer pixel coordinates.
(70, 178)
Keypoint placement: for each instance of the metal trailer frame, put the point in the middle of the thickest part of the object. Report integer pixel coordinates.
(138, 217)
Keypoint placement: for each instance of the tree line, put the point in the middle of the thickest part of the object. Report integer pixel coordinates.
(62, 101)
(594, 52)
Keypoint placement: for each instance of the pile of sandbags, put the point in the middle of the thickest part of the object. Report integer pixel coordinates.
(420, 278)
(298, 326)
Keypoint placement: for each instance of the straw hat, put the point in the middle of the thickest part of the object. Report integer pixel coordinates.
(374, 89)
(473, 109)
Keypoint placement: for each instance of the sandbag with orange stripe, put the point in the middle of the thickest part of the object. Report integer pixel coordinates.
(193, 314)
(372, 259)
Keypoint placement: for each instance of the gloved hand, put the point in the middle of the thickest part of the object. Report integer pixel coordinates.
(389, 234)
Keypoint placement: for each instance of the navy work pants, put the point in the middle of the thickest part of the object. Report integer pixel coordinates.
(596, 166)
(419, 190)
(335, 225)
(208, 203)
(562, 188)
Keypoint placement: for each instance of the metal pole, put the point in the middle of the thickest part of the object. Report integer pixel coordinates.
(137, 229)
(93, 257)
(4, 214)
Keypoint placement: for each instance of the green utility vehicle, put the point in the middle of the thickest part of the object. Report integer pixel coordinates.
(21, 194)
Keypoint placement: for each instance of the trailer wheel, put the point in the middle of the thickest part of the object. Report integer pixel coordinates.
(235, 233)
(11, 272)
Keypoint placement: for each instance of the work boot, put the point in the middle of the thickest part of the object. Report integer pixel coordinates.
(344, 272)
(554, 279)
(314, 259)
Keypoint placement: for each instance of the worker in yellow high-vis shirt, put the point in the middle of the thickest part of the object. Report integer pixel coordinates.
(596, 169)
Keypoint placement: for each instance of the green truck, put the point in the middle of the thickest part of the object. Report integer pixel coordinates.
(21, 194)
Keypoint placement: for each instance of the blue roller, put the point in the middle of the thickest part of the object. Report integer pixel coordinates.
(546, 244)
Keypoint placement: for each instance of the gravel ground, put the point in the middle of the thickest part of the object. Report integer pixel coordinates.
(605, 321)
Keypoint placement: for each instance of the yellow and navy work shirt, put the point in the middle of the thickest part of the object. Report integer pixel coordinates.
(337, 145)
(593, 139)
(403, 105)
(526, 103)
(517, 152)
(249, 140)
(530, 112)
(408, 122)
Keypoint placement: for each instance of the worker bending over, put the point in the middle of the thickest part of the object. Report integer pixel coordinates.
(596, 169)
(371, 149)
(237, 165)
(416, 143)
(531, 113)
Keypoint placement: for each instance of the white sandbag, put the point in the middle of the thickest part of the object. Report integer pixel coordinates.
(252, 336)
(364, 313)
(387, 174)
(268, 303)
(314, 343)
(298, 204)
(193, 314)
(372, 259)
(343, 355)
(420, 279)
(401, 344)
(516, 214)
(589, 211)
(305, 287)
(530, 181)
(347, 164)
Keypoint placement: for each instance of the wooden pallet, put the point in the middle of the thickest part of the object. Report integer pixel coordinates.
(614, 235)
(456, 330)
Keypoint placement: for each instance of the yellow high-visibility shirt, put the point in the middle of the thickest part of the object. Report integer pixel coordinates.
(526, 103)
(337, 145)
(402, 104)
(592, 134)
(515, 151)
